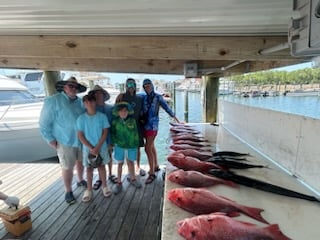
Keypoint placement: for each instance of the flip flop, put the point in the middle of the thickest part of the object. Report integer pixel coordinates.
(97, 185)
(157, 169)
(150, 178)
(87, 195)
(113, 179)
(106, 192)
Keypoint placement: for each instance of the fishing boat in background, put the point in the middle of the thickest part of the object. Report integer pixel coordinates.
(20, 139)
(302, 93)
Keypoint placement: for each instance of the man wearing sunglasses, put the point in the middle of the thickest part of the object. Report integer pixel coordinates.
(58, 127)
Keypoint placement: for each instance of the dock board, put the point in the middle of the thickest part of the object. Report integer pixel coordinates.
(132, 214)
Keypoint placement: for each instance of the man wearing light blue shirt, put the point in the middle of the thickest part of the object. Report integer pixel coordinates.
(58, 127)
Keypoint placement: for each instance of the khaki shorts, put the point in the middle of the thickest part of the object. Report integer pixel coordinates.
(68, 156)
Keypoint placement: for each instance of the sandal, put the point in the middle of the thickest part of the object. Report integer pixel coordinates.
(106, 192)
(150, 178)
(113, 179)
(157, 169)
(97, 185)
(87, 195)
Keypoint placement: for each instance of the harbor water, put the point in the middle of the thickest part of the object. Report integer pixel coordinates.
(308, 106)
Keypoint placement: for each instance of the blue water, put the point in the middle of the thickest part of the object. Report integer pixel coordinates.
(305, 106)
(308, 106)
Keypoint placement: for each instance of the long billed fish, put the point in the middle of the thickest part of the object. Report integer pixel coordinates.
(230, 153)
(234, 164)
(258, 184)
(228, 158)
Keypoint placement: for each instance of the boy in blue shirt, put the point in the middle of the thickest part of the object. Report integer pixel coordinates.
(92, 131)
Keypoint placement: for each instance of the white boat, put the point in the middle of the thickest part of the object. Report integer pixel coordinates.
(20, 139)
(302, 92)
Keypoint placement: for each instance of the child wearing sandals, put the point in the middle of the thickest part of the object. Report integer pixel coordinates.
(92, 131)
(125, 137)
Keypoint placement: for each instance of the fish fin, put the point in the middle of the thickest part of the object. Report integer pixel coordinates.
(233, 214)
(276, 232)
(227, 199)
(254, 213)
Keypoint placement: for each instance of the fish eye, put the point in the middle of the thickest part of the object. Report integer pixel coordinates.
(176, 177)
(179, 199)
(193, 234)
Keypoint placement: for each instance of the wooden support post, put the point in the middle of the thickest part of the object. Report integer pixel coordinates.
(50, 79)
(186, 106)
(173, 94)
(210, 94)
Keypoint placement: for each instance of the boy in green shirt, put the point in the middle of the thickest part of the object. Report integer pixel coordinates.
(125, 137)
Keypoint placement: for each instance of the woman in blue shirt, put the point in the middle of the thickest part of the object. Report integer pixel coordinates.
(151, 105)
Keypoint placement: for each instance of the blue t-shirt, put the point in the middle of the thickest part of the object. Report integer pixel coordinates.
(92, 127)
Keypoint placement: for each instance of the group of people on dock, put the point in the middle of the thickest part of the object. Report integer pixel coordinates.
(89, 133)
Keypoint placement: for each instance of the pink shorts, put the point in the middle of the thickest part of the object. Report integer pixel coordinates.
(150, 133)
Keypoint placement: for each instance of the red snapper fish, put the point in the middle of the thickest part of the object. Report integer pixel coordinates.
(187, 136)
(201, 201)
(177, 147)
(201, 155)
(192, 143)
(217, 226)
(189, 163)
(196, 179)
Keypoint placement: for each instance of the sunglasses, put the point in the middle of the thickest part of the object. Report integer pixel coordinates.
(72, 86)
(131, 85)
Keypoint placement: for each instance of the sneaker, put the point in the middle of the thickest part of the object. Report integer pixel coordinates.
(117, 188)
(70, 198)
(82, 183)
(136, 183)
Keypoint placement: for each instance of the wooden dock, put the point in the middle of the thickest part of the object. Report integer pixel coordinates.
(132, 214)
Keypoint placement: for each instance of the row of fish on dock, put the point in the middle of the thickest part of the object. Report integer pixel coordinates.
(199, 167)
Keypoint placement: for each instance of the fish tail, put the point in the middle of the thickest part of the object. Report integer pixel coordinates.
(276, 232)
(255, 213)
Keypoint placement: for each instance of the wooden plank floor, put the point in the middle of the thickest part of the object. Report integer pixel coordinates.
(132, 214)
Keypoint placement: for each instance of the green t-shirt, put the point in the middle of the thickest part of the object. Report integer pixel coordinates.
(124, 132)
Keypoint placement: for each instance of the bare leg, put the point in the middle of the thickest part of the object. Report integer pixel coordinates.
(89, 178)
(102, 175)
(120, 165)
(79, 168)
(138, 158)
(131, 169)
(67, 175)
(155, 159)
(150, 151)
(110, 162)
